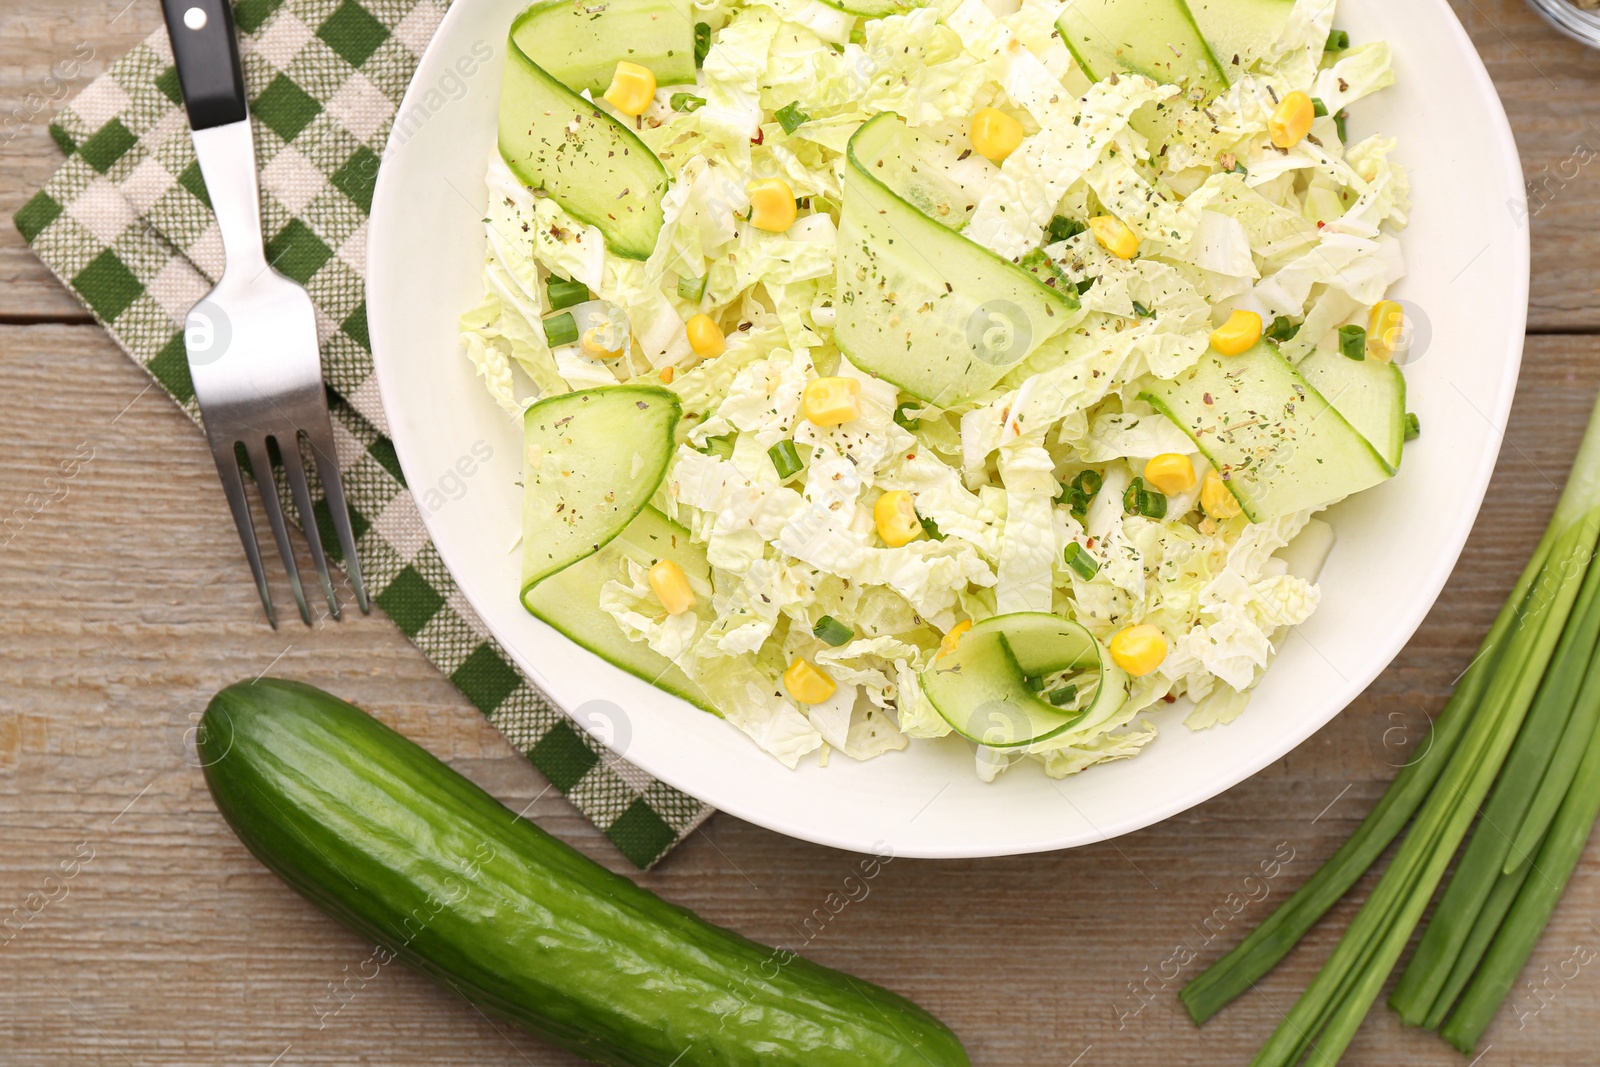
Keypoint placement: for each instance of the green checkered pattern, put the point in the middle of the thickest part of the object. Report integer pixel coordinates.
(125, 223)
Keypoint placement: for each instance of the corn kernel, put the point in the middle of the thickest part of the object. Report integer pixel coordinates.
(671, 587)
(597, 343)
(1114, 236)
(806, 683)
(705, 336)
(1170, 472)
(1292, 120)
(995, 135)
(1139, 649)
(1386, 330)
(772, 204)
(896, 518)
(1238, 334)
(952, 638)
(831, 401)
(632, 88)
(667, 374)
(1216, 498)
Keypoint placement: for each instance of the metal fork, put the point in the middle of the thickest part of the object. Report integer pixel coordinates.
(252, 341)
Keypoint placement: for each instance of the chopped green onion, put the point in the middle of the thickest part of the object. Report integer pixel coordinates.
(563, 294)
(1413, 427)
(1339, 119)
(1063, 696)
(1062, 228)
(1338, 41)
(791, 118)
(1078, 495)
(693, 289)
(786, 459)
(686, 103)
(1318, 108)
(831, 631)
(1141, 500)
(1034, 682)
(717, 446)
(931, 528)
(560, 330)
(1142, 311)
(1130, 496)
(1282, 329)
(1082, 563)
(702, 43)
(903, 420)
(1353, 341)
(1237, 168)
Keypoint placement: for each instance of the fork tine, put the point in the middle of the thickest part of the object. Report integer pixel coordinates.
(294, 468)
(233, 488)
(320, 439)
(262, 462)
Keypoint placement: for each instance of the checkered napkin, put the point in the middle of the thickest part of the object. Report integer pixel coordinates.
(126, 225)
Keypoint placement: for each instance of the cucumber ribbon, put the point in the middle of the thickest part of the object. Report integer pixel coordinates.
(593, 459)
(982, 687)
(597, 169)
(921, 305)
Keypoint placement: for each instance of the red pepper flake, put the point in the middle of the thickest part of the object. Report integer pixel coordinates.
(760, 136)
(1206, 399)
(1170, 699)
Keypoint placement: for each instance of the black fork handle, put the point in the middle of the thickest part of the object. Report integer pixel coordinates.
(207, 55)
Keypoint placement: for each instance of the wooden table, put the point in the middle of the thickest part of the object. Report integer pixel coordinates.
(127, 603)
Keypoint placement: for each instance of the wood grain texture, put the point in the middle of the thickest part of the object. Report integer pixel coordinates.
(1547, 83)
(127, 603)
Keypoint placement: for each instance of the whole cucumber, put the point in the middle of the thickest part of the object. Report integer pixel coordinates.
(396, 845)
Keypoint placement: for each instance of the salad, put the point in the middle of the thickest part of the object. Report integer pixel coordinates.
(888, 372)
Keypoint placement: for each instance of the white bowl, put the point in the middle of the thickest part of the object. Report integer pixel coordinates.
(1468, 255)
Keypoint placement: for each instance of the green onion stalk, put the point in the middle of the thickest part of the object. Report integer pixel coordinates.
(1440, 967)
(1542, 884)
(1536, 679)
